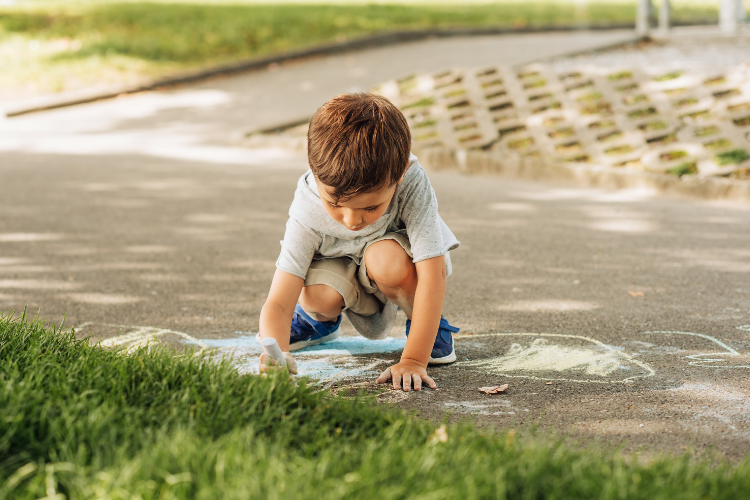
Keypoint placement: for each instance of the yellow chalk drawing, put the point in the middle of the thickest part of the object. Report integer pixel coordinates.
(592, 359)
(141, 336)
(543, 356)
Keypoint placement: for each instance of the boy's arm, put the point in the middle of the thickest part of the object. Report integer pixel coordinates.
(428, 305)
(277, 312)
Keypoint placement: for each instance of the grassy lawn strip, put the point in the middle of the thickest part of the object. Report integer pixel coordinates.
(87, 423)
(65, 44)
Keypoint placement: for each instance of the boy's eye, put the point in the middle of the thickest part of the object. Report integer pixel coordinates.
(371, 209)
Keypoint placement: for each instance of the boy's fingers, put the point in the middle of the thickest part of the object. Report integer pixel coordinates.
(430, 382)
(417, 382)
(396, 381)
(407, 382)
(268, 360)
(262, 366)
(267, 363)
(291, 364)
(383, 378)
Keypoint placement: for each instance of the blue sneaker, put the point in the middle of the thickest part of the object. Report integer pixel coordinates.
(306, 331)
(443, 351)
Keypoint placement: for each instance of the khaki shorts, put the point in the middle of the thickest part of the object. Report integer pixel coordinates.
(361, 295)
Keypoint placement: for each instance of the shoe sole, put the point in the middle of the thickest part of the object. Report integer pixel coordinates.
(307, 343)
(450, 358)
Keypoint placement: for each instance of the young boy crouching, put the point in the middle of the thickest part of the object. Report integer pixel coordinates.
(363, 238)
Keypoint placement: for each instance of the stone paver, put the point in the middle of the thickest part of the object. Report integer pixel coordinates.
(680, 122)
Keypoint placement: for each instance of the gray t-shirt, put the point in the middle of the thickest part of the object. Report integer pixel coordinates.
(312, 234)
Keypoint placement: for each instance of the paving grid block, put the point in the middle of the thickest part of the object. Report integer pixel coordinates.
(680, 122)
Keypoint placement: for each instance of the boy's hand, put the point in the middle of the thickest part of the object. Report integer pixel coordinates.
(407, 371)
(267, 363)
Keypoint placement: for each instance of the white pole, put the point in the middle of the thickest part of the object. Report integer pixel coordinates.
(643, 17)
(665, 17)
(581, 13)
(731, 10)
(741, 12)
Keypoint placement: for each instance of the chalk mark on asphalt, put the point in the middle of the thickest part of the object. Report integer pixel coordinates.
(541, 356)
(332, 362)
(700, 359)
(140, 336)
(327, 363)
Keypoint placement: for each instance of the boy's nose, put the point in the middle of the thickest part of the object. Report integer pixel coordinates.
(352, 219)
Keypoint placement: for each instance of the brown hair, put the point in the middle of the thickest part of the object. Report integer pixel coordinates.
(358, 143)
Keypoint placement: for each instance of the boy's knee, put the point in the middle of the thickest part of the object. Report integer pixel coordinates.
(388, 264)
(321, 299)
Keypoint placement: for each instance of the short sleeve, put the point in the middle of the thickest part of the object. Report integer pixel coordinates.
(297, 248)
(428, 235)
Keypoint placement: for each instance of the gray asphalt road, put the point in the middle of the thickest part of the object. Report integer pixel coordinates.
(612, 315)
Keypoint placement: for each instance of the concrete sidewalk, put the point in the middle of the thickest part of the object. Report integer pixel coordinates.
(611, 315)
(295, 91)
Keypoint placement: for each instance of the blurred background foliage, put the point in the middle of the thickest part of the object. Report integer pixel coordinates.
(55, 45)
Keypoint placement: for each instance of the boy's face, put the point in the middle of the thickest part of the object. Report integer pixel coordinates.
(359, 211)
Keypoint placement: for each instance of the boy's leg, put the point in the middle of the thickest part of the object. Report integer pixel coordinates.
(331, 285)
(392, 269)
(322, 302)
(389, 264)
(317, 317)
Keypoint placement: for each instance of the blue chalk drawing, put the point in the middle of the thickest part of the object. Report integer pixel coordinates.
(326, 362)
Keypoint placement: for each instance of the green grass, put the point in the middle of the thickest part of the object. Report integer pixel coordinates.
(56, 45)
(731, 157)
(82, 422)
(668, 76)
(686, 168)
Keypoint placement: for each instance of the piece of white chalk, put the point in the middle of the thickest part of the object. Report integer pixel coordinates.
(271, 347)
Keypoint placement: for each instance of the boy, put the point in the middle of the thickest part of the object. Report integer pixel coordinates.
(363, 237)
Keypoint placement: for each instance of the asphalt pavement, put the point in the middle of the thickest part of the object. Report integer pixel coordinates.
(614, 315)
